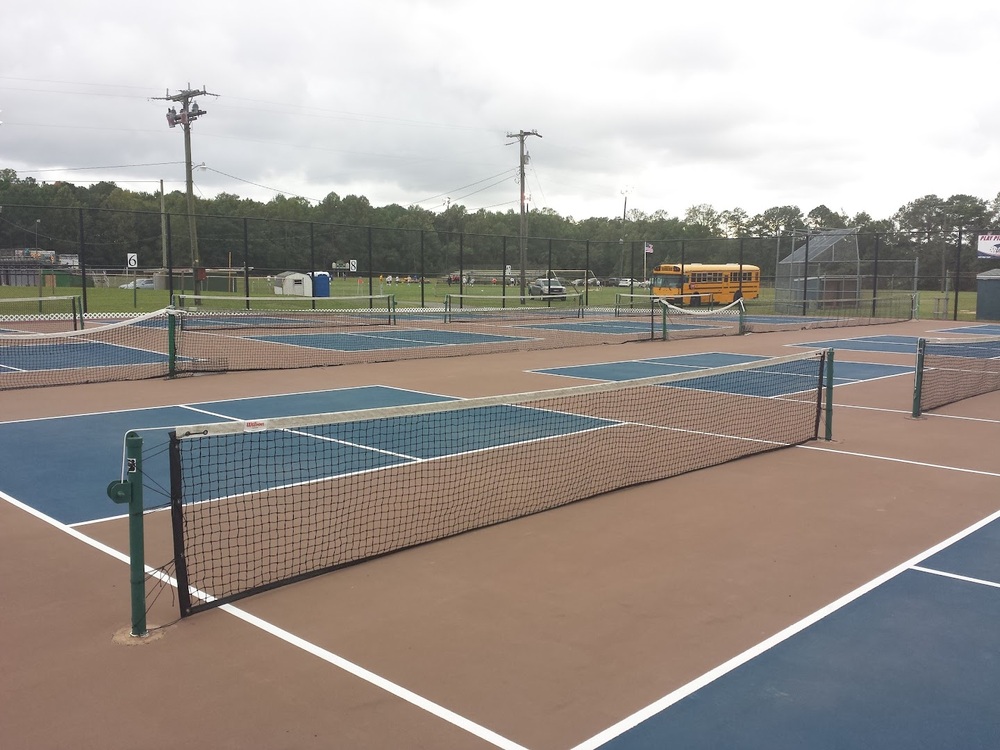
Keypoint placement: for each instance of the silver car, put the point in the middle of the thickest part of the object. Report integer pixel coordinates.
(548, 288)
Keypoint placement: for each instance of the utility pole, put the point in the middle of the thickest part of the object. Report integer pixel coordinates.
(523, 234)
(622, 241)
(190, 111)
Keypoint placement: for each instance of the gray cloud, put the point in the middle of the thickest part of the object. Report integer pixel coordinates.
(861, 107)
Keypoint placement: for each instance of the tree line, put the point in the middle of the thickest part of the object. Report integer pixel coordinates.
(293, 232)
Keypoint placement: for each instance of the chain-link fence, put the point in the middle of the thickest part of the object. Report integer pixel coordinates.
(87, 248)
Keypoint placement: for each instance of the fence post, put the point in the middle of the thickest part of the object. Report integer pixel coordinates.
(83, 266)
(958, 270)
(874, 276)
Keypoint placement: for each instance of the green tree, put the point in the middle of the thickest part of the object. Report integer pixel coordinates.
(822, 217)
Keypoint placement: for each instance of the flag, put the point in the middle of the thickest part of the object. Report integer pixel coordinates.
(649, 248)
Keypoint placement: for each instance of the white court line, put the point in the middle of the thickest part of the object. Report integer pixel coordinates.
(908, 412)
(489, 735)
(331, 658)
(957, 577)
(894, 460)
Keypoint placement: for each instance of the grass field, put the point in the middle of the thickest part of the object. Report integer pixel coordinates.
(430, 294)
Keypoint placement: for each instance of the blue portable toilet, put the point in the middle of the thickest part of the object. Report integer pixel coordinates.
(321, 284)
(988, 295)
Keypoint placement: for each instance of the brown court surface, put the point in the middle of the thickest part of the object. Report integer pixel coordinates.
(545, 630)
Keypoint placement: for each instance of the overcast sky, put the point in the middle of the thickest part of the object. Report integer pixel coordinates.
(859, 105)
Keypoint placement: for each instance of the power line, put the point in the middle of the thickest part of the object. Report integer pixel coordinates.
(112, 166)
(505, 173)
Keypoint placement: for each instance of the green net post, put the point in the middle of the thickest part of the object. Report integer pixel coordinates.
(829, 394)
(171, 345)
(129, 491)
(918, 378)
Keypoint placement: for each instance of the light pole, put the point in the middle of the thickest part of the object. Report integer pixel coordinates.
(37, 222)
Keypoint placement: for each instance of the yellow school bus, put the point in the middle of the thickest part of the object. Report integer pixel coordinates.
(705, 283)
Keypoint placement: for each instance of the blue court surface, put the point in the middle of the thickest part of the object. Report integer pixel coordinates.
(613, 326)
(892, 344)
(844, 372)
(895, 344)
(232, 320)
(87, 450)
(403, 338)
(984, 329)
(911, 660)
(791, 320)
(67, 355)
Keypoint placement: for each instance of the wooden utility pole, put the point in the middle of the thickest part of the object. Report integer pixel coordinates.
(190, 111)
(523, 234)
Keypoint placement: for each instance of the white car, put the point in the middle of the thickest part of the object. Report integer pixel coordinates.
(627, 282)
(138, 284)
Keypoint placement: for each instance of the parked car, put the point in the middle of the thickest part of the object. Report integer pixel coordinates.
(627, 282)
(550, 288)
(138, 284)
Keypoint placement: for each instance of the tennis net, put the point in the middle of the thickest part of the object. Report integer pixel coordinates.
(689, 322)
(28, 310)
(257, 504)
(639, 305)
(952, 369)
(473, 308)
(829, 312)
(284, 311)
(126, 350)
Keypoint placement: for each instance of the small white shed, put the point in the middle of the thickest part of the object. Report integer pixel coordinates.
(292, 282)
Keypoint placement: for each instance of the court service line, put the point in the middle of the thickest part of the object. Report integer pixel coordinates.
(712, 675)
(328, 656)
(908, 412)
(893, 459)
(956, 576)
